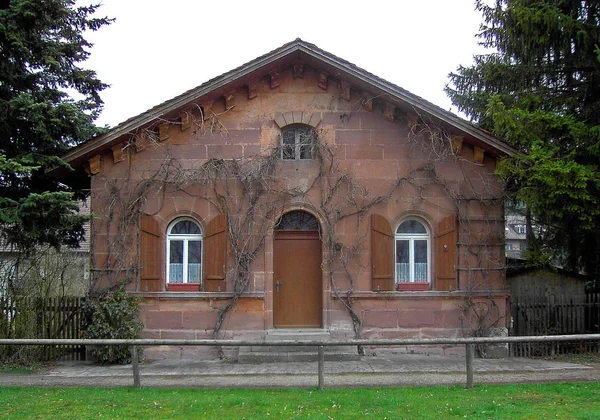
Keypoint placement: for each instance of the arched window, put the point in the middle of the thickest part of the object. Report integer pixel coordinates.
(413, 251)
(298, 142)
(184, 251)
(297, 220)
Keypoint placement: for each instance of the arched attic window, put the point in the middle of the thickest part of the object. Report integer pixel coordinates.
(298, 142)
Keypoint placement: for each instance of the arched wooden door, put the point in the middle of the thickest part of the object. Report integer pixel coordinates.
(297, 277)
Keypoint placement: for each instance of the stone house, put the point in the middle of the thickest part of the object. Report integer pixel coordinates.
(48, 272)
(299, 191)
(515, 235)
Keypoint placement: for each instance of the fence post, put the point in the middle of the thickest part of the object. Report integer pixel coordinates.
(321, 367)
(469, 356)
(136, 367)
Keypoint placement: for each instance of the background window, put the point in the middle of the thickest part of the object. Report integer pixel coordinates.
(297, 142)
(520, 229)
(412, 252)
(184, 252)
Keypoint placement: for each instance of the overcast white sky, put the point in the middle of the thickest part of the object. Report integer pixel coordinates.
(156, 50)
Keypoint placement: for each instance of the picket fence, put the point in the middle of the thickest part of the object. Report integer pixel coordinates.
(43, 318)
(555, 315)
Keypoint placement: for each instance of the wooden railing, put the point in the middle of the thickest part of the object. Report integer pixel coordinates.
(469, 342)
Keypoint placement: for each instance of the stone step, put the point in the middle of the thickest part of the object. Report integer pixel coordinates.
(311, 334)
(296, 349)
(292, 353)
(247, 355)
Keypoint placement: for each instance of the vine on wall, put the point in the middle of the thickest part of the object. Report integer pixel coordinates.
(252, 194)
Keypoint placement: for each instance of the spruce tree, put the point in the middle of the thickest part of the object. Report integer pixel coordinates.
(538, 88)
(41, 48)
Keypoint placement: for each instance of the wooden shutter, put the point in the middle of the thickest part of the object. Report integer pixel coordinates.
(382, 253)
(215, 254)
(150, 261)
(445, 255)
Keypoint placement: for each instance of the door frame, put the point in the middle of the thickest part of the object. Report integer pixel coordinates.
(299, 234)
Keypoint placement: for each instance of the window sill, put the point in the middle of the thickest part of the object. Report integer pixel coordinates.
(196, 295)
(421, 294)
(183, 287)
(413, 287)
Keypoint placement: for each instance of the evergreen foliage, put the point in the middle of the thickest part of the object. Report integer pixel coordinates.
(41, 46)
(539, 89)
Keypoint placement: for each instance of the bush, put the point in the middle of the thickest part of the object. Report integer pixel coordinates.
(114, 316)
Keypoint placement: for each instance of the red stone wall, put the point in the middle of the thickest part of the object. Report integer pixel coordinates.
(381, 155)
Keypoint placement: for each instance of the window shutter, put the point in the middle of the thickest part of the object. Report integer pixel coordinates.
(215, 254)
(382, 253)
(150, 245)
(445, 254)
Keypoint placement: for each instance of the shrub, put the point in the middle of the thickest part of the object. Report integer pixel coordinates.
(115, 315)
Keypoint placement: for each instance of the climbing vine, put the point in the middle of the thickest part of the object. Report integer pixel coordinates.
(252, 193)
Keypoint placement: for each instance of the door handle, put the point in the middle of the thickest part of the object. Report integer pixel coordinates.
(277, 285)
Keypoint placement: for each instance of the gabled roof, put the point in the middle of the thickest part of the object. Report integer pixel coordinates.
(287, 54)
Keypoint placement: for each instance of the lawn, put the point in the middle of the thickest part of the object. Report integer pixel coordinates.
(530, 401)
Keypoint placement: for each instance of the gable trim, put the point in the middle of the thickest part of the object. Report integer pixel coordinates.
(342, 66)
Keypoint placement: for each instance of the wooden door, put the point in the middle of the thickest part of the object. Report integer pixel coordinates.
(297, 280)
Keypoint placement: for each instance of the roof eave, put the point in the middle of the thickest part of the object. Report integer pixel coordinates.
(182, 100)
(417, 103)
(175, 103)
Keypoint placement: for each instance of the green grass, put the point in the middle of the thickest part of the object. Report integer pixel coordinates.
(530, 401)
(16, 369)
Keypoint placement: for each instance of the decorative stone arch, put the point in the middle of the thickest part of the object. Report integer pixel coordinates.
(166, 220)
(306, 208)
(406, 214)
(297, 117)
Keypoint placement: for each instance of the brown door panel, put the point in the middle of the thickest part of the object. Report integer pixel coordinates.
(297, 280)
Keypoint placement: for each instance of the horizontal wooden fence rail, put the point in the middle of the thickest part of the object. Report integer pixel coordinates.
(469, 342)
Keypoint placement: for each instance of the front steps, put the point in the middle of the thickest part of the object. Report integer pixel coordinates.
(274, 354)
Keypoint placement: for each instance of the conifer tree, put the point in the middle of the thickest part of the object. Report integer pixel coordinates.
(41, 48)
(538, 88)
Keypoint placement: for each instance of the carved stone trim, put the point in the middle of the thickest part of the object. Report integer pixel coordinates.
(367, 102)
(163, 132)
(252, 91)
(297, 117)
(478, 154)
(298, 70)
(230, 99)
(141, 140)
(322, 80)
(274, 79)
(117, 153)
(413, 121)
(389, 111)
(95, 165)
(207, 109)
(457, 143)
(346, 90)
(186, 120)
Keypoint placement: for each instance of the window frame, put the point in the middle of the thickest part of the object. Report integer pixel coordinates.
(308, 129)
(521, 229)
(411, 238)
(186, 238)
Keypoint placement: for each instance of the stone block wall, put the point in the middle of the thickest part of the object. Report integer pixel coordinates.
(385, 156)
